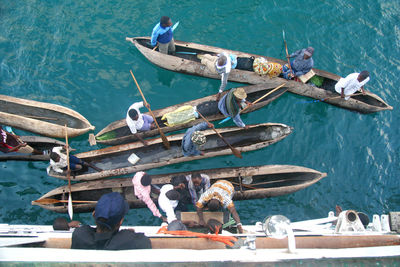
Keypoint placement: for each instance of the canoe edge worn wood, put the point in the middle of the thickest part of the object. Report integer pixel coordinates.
(39, 126)
(183, 65)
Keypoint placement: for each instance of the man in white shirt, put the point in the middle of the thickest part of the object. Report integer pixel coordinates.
(351, 84)
(137, 121)
(168, 200)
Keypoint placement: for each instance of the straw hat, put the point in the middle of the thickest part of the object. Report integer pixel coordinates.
(240, 93)
(198, 138)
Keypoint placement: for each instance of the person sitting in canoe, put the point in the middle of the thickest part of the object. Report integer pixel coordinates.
(58, 161)
(198, 183)
(230, 105)
(181, 185)
(351, 84)
(142, 187)
(12, 143)
(219, 195)
(109, 214)
(194, 138)
(163, 35)
(301, 64)
(137, 121)
(221, 64)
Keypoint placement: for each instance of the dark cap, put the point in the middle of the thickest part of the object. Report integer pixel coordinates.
(112, 207)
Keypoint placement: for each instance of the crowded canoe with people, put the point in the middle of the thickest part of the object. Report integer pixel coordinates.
(190, 202)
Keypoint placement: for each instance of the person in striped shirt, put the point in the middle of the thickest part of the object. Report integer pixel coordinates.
(219, 195)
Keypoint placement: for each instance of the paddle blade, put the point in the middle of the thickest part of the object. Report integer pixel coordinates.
(46, 201)
(175, 26)
(236, 152)
(70, 208)
(165, 141)
(225, 120)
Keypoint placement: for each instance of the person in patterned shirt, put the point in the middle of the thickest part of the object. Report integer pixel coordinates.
(219, 195)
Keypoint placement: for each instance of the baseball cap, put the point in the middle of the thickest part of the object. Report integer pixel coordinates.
(112, 207)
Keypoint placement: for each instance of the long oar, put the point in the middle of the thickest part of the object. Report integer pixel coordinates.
(234, 150)
(287, 53)
(47, 201)
(70, 208)
(163, 137)
(264, 96)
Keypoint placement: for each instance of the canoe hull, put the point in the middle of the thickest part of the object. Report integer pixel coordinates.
(42, 118)
(276, 180)
(191, 67)
(113, 160)
(123, 135)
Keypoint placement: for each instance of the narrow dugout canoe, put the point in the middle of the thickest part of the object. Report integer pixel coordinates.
(190, 64)
(118, 132)
(114, 160)
(42, 118)
(261, 182)
(37, 142)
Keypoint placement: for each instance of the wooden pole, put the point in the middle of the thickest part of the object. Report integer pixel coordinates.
(163, 137)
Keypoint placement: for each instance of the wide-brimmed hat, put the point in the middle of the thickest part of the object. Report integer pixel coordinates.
(240, 93)
(198, 138)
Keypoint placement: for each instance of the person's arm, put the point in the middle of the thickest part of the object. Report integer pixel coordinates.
(201, 217)
(144, 142)
(236, 217)
(150, 204)
(295, 54)
(154, 35)
(238, 121)
(342, 93)
(224, 80)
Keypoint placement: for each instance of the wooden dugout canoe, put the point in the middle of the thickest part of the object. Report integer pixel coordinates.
(266, 181)
(118, 132)
(37, 142)
(42, 118)
(190, 64)
(114, 160)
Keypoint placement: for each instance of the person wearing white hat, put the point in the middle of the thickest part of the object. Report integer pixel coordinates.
(194, 138)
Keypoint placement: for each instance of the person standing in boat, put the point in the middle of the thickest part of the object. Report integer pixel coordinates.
(194, 138)
(351, 84)
(12, 143)
(109, 214)
(142, 187)
(221, 64)
(198, 183)
(137, 121)
(301, 64)
(219, 195)
(231, 103)
(163, 35)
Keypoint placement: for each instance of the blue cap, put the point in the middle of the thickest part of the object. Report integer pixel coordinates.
(112, 207)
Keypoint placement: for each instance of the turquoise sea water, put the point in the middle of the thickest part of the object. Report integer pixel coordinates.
(74, 53)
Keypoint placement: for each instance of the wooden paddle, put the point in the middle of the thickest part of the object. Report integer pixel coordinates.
(334, 97)
(264, 96)
(70, 208)
(234, 150)
(163, 137)
(47, 201)
(287, 53)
